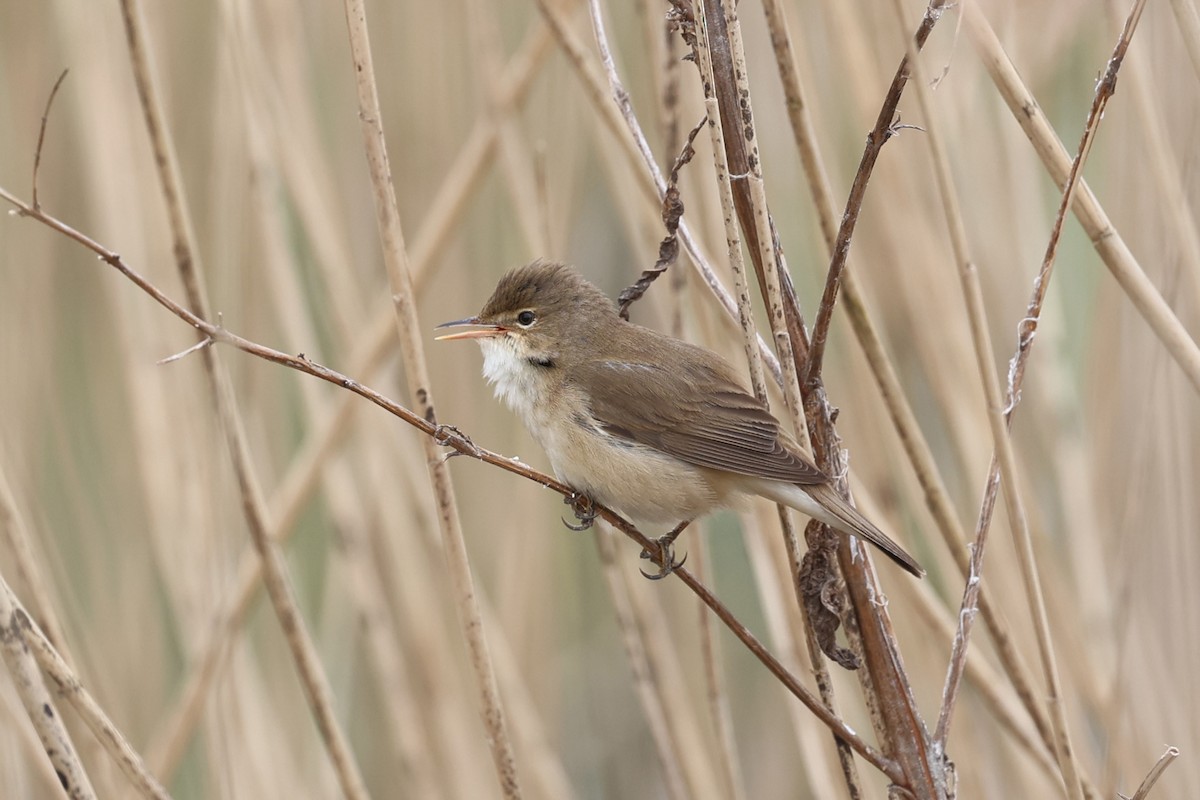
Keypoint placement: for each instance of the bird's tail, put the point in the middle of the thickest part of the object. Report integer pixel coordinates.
(846, 518)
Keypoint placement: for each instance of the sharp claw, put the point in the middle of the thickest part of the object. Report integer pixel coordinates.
(584, 509)
(668, 565)
(582, 526)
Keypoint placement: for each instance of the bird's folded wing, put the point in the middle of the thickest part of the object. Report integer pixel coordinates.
(709, 420)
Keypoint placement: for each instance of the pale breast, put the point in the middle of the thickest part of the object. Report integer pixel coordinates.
(641, 482)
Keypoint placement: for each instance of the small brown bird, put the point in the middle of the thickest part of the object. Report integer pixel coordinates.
(654, 427)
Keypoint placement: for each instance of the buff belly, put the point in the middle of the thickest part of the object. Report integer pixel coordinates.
(642, 483)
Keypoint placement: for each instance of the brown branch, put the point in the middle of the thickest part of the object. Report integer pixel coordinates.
(1103, 234)
(900, 411)
(1016, 374)
(451, 437)
(41, 140)
(672, 213)
(886, 689)
(885, 128)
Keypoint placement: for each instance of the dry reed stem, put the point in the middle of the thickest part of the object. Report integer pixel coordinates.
(1001, 417)
(450, 437)
(646, 683)
(43, 716)
(666, 665)
(887, 690)
(903, 419)
(411, 746)
(1166, 167)
(879, 134)
(986, 680)
(1104, 236)
(17, 621)
(749, 336)
(403, 296)
(279, 589)
(483, 33)
(618, 116)
(1189, 30)
(769, 261)
(716, 683)
(916, 446)
(984, 357)
(462, 180)
(1160, 766)
(16, 533)
(786, 626)
(541, 753)
(370, 605)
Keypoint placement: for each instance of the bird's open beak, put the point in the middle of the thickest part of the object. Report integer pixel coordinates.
(485, 330)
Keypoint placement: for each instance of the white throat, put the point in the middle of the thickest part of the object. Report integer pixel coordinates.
(514, 380)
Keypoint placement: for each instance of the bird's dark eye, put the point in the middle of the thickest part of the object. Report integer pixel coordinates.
(526, 318)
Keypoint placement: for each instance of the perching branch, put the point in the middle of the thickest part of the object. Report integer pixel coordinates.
(461, 444)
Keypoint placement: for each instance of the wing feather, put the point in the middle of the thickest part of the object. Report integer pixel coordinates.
(709, 421)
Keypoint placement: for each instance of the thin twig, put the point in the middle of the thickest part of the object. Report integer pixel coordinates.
(446, 208)
(672, 214)
(400, 279)
(188, 263)
(883, 130)
(619, 116)
(461, 443)
(1104, 236)
(41, 140)
(1016, 373)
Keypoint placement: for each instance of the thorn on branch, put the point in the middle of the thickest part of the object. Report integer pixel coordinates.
(897, 126)
(207, 341)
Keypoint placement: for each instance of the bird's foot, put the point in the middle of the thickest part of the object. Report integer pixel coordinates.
(666, 550)
(666, 561)
(584, 510)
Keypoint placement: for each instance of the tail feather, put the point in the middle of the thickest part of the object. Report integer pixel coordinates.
(846, 518)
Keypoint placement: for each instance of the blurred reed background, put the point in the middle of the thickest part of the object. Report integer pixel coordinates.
(123, 482)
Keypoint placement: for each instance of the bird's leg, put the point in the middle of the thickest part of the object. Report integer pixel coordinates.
(584, 510)
(666, 553)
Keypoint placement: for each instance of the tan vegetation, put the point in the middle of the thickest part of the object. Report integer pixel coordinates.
(456, 640)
